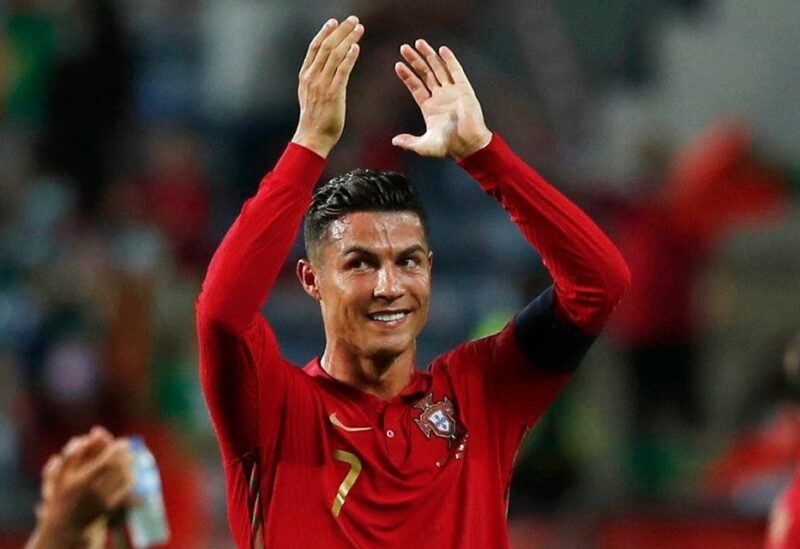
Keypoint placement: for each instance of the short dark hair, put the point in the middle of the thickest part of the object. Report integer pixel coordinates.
(360, 190)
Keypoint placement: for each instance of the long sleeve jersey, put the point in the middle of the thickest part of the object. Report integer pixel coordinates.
(313, 462)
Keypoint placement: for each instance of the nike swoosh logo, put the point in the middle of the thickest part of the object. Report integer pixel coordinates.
(340, 425)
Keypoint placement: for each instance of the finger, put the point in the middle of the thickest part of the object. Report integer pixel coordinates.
(340, 52)
(73, 444)
(52, 465)
(102, 433)
(90, 447)
(406, 141)
(434, 61)
(329, 26)
(114, 458)
(50, 471)
(419, 65)
(342, 76)
(332, 42)
(453, 66)
(72, 452)
(418, 90)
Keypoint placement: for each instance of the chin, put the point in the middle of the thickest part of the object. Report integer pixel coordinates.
(389, 350)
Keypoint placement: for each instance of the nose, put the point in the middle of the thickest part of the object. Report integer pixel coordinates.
(389, 285)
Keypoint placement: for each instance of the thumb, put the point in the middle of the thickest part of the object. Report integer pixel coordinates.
(405, 141)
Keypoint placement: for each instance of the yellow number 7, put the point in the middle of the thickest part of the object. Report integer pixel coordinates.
(349, 480)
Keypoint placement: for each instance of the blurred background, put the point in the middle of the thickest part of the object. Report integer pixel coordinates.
(132, 130)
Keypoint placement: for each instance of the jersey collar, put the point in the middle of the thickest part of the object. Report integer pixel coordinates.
(417, 386)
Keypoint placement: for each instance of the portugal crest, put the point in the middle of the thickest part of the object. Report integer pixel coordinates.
(436, 417)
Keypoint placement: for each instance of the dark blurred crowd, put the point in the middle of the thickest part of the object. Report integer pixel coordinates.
(105, 231)
(131, 131)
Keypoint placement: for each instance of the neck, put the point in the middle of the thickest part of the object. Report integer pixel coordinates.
(384, 376)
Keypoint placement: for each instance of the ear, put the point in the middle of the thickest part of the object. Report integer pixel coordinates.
(307, 274)
(430, 260)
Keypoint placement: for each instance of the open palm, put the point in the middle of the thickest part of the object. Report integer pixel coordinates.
(454, 125)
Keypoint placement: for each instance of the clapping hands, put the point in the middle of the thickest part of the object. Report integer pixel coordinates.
(454, 124)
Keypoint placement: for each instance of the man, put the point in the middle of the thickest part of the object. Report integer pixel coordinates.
(84, 487)
(359, 449)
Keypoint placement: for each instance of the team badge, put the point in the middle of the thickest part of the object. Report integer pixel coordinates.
(436, 418)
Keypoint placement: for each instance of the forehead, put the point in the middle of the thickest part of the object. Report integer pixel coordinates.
(376, 231)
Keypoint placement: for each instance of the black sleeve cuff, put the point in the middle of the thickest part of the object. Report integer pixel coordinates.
(551, 344)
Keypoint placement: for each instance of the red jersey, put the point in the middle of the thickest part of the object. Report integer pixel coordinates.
(312, 462)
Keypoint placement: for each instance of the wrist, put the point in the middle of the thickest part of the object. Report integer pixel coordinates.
(49, 535)
(320, 146)
(474, 144)
(54, 534)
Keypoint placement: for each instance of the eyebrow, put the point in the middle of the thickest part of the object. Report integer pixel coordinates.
(369, 253)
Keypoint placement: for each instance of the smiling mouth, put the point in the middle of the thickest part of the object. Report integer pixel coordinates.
(389, 317)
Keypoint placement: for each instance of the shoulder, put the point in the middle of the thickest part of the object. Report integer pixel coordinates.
(471, 357)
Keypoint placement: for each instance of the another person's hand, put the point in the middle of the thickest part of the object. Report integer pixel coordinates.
(323, 84)
(454, 125)
(83, 487)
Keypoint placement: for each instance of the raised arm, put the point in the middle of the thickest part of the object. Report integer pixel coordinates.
(528, 362)
(589, 272)
(237, 347)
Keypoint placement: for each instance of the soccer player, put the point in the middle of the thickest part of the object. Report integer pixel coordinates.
(359, 448)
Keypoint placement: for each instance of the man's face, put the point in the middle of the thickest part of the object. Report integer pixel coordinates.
(373, 280)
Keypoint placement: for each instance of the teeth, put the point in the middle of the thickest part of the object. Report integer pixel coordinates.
(387, 317)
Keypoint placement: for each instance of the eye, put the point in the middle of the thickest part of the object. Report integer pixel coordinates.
(358, 265)
(410, 262)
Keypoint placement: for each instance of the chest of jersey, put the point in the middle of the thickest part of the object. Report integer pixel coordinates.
(372, 473)
(415, 436)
